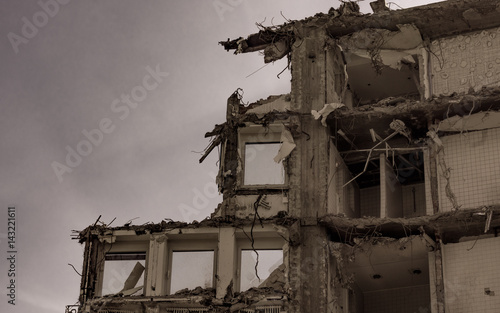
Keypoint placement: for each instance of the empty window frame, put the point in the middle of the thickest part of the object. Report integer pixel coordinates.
(191, 264)
(260, 168)
(191, 269)
(268, 252)
(368, 85)
(257, 148)
(253, 273)
(123, 273)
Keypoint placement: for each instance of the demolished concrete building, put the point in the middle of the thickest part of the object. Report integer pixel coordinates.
(374, 186)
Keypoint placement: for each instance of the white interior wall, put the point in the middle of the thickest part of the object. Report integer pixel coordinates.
(341, 199)
(391, 204)
(469, 269)
(474, 169)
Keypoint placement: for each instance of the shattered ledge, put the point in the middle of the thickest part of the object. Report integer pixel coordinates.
(271, 292)
(450, 227)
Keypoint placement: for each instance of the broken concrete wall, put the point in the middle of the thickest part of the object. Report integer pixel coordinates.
(390, 48)
(428, 170)
(256, 143)
(470, 122)
(267, 206)
(469, 167)
(91, 271)
(341, 200)
(158, 242)
(272, 104)
(471, 276)
(342, 296)
(336, 74)
(464, 62)
(383, 63)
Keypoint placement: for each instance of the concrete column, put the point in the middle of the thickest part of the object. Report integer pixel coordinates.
(317, 79)
(314, 271)
(309, 171)
(226, 261)
(440, 299)
(230, 149)
(156, 266)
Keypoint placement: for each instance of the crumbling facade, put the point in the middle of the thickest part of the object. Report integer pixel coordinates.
(374, 186)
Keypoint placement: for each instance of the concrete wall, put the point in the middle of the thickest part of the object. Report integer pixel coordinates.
(415, 299)
(474, 169)
(245, 205)
(341, 199)
(370, 201)
(428, 188)
(413, 207)
(469, 268)
(356, 300)
(466, 61)
(391, 203)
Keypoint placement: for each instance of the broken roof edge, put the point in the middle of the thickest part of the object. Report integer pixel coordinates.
(196, 298)
(273, 103)
(273, 34)
(461, 16)
(263, 112)
(167, 225)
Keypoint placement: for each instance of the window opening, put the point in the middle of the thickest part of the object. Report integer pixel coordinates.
(368, 85)
(250, 276)
(191, 269)
(260, 168)
(123, 273)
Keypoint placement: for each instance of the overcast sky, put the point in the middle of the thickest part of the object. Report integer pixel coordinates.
(103, 110)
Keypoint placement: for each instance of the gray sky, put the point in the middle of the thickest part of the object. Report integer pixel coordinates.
(71, 72)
